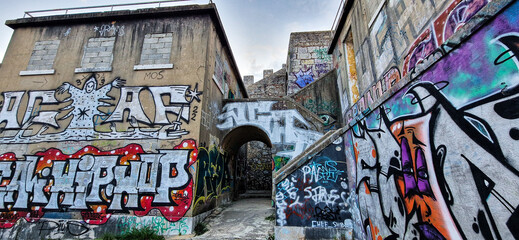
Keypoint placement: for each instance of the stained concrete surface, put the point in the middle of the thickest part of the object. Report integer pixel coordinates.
(242, 219)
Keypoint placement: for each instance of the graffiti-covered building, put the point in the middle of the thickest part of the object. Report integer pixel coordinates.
(107, 118)
(398, 124)
(428, 93)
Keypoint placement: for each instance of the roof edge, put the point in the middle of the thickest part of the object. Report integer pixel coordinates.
(225, 42)
(119, 14)
(185, 10)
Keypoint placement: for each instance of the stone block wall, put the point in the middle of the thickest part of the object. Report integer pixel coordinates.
(308, 58)
(43, 55)
(156, 48)
(273, 85)
(258, 166)
(97, 55)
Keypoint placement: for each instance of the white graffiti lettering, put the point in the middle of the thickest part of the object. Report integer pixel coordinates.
(280, 125)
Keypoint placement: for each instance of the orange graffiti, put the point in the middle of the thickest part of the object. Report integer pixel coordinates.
(428, 203)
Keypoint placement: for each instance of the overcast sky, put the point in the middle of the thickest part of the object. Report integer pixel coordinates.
(258, 30)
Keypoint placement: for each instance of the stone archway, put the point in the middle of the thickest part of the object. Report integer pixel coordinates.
(241, 135)
(249, 149)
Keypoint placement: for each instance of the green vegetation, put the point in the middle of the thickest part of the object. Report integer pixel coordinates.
(201, 228)
(272, 217)
(271, 237)
(145, 233)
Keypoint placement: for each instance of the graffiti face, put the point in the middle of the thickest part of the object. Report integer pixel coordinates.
(97, 183)
(90, 86)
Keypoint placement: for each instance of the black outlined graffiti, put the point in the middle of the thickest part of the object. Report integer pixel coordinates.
(83, 112)
(97, 183)
(74, 228)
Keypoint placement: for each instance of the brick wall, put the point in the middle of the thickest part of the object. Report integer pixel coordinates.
(98, 55)
(156, 49)
(43, 55)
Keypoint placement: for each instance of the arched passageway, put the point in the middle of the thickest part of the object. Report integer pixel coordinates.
(249, 151)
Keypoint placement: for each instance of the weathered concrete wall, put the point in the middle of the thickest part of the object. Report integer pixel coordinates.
(321, 98)
(215, 173)
(81, 152)
(438, 159)
(386, 40)
(307, 59)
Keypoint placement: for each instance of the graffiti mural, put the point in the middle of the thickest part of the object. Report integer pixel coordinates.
(213, 175)
(60, 228)
(82, 113)
(159, 224)
(390, 78)
(447, 23)
(304, 78)
(284, 127)
(316, 194)
(109, 30)
(96, 183)
(438, 160)
(426, 47)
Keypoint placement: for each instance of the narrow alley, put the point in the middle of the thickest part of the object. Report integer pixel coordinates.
(250, 218)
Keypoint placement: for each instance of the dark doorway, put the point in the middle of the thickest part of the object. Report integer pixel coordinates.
(249, 149)
(254, 167)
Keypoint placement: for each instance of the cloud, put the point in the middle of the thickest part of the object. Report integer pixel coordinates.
(259, 58)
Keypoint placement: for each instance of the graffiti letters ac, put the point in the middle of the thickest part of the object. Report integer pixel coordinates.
(97, 183)
(79, 119)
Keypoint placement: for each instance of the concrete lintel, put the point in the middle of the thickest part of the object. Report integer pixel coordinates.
(37, 72)
(153, 66)
(95, 69)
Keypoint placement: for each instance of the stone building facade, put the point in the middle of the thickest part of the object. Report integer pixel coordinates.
(107, 122)
(272, 85)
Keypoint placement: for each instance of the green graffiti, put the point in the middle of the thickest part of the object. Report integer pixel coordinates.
(321, 106)
(213, 175)
(159, 224)
(279, 162)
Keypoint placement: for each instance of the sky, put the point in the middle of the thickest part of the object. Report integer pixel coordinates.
(258, 30)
